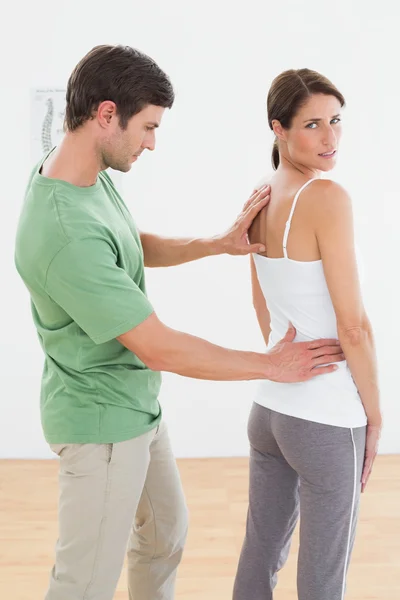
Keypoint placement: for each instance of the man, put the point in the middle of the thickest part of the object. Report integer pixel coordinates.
(82, 259)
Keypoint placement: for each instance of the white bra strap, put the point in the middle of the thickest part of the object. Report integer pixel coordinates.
(289, 221)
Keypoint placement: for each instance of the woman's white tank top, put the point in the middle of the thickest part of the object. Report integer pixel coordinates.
(297, 291)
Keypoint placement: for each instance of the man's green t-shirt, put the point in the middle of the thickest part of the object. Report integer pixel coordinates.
(79, 253)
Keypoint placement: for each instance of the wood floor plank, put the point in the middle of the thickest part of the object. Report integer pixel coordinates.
(216, 491)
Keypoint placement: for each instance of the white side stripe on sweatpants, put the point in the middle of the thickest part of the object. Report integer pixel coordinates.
(351, 515)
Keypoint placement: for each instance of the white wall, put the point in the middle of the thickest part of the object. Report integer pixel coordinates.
(212, 147)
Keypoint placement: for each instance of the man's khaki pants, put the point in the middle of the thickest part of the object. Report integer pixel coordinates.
(116, 498)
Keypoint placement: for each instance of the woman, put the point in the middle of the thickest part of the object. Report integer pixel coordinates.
(312, 443)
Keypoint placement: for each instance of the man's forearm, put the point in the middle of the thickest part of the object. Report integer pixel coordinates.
(195, 357)
(164, 349)
(168, 252)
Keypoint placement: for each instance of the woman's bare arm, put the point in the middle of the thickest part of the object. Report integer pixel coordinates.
(333, 219)
(259, 303)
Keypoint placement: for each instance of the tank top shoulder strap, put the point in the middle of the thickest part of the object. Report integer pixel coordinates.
(289, 221)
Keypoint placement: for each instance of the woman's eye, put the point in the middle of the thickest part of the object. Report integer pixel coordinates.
(336, 121)
(311, 126)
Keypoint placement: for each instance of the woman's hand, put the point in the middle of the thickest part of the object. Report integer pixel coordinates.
(371, 450)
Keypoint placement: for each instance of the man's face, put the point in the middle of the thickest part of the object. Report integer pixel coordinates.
(122, 147)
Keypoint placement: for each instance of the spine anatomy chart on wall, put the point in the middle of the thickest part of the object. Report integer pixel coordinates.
(47, 120)
(46, 126)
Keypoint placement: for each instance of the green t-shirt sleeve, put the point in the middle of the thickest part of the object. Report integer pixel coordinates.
(85, 280)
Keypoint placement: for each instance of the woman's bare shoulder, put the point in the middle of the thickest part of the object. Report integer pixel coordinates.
(330, 212)
(327, 199)
(326, 189)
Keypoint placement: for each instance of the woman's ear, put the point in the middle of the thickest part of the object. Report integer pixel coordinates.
(278, 130)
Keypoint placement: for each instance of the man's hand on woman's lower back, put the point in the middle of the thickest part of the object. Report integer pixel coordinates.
(300, 361)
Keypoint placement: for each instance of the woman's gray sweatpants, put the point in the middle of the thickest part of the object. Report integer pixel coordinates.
(300, 467)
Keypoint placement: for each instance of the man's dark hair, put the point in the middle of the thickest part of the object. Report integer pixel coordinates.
(121, 74)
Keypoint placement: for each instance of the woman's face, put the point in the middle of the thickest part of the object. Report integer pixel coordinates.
(314, 135)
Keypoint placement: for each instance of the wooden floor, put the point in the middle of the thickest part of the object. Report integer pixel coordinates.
(216, 491)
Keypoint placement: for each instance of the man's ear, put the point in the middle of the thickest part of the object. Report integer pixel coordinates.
(106, 111)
